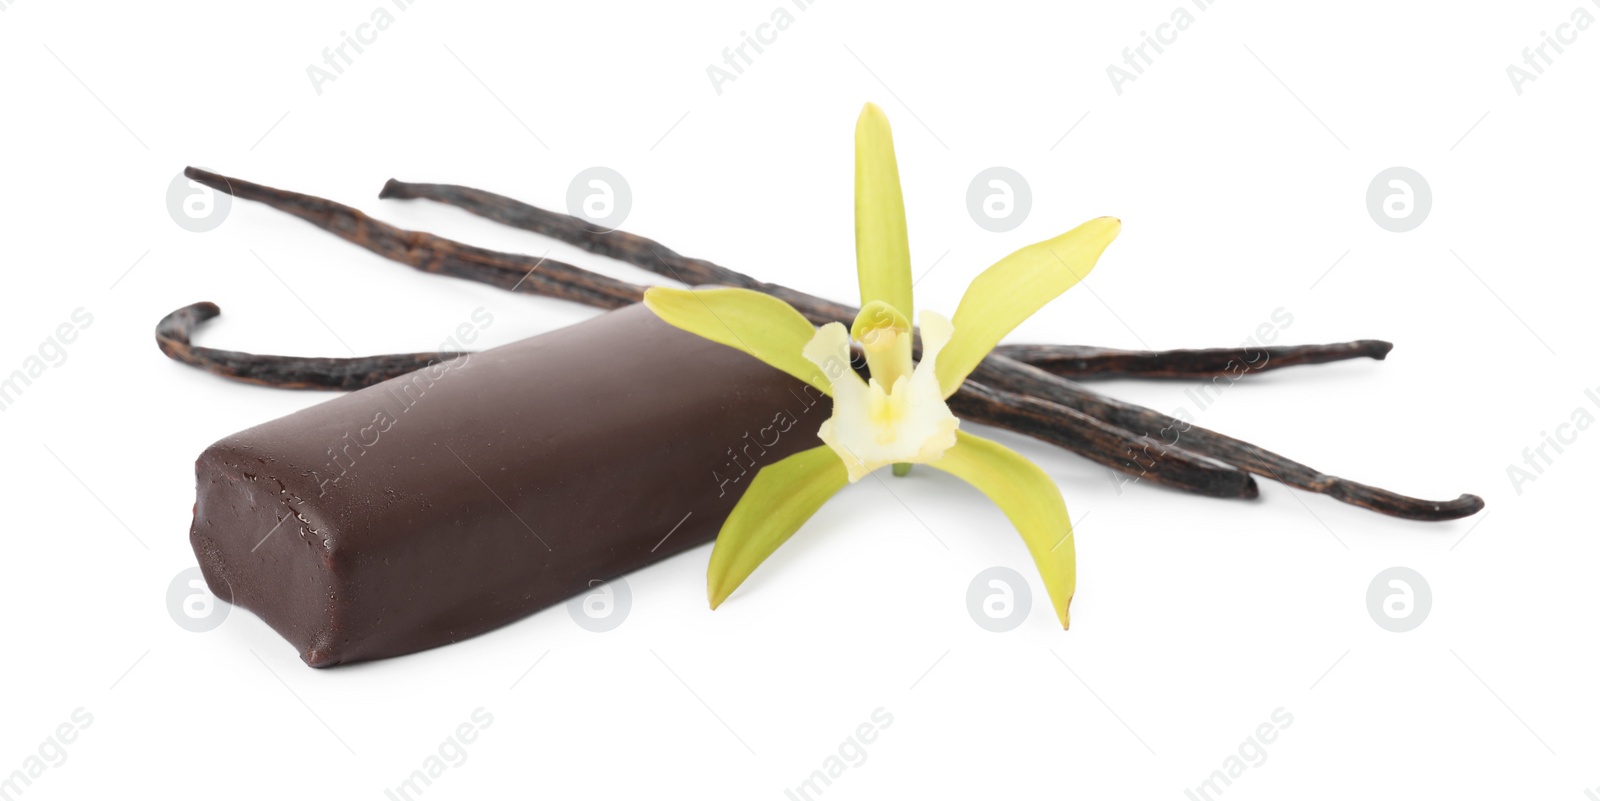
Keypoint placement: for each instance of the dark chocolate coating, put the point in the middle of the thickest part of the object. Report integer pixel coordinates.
(445, 503)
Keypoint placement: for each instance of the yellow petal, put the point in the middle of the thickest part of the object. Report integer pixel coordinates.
(783, 496)
(1015, 287)
(883, 256)
(756, 323)
(1031, 500)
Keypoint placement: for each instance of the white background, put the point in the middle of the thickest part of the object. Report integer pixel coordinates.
(1239, 162)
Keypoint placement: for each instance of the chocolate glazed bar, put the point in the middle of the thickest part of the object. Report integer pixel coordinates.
(442, 504)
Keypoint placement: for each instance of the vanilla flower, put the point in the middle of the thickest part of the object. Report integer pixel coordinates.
(899, 416)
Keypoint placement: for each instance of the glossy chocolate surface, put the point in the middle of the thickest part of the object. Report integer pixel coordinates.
(442, 504)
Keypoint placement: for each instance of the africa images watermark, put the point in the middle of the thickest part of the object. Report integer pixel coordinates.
(1254, 358)
(1136, 57)
(51, 353)
(51, 753)
(1252, 753)
(998, 598)
(603, 606)
(737, 57)
(1535, 458)
(744, 455)
(335, 58)
(405, 392)
(851, 753)
(451, 753)
(1536, 57)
